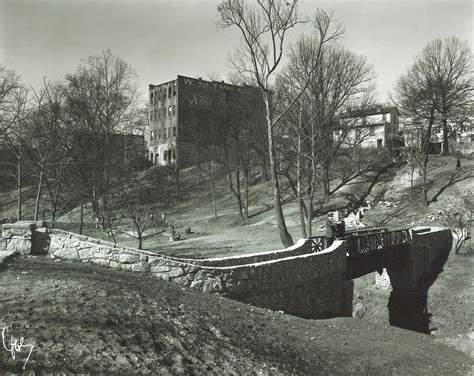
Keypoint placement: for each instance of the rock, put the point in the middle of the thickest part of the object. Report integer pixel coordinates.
(128, 258)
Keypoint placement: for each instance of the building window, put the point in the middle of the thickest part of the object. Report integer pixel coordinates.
(169, 91)
(174, 154)
(379, 143)
(174, 131)
(372, 131)
(174, 109)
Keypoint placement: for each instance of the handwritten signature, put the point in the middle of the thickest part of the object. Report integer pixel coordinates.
(15, 345)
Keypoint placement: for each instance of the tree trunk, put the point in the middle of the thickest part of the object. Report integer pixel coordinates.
(18, 188)
(236, 192)
(81, 216)
(310, 216)
(426, 156)
(239, 196)
(246, 194)
(214, 204)
(445, 135)
(298, 175)
(265, 169)
(327, 191)
(176, 171)
(285, 236)
(140, 240)
(109, 223)
(38, 193)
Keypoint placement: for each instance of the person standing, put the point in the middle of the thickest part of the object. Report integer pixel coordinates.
(330, 230)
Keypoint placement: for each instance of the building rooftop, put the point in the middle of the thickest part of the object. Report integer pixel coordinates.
(375, 109)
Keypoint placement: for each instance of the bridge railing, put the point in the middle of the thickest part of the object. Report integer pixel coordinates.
(366, 231)
(318, 243)
(364, 244)
(361, 242)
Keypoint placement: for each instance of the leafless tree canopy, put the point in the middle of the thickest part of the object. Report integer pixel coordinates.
(264, 27)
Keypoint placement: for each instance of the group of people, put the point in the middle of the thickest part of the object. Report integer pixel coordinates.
(335, 224)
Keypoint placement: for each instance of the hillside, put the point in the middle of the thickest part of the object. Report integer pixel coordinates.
(77, 318)
(83, 318)
(191, 206)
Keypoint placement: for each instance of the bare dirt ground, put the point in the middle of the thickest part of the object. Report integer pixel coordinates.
(86, 319)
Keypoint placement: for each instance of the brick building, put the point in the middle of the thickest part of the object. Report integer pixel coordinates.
(185, 109)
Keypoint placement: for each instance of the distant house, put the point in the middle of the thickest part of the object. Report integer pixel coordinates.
(376, 126)
(461, 135)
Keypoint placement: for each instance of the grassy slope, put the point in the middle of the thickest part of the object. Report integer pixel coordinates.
(83, 318)
(450, 298)
(192, 206)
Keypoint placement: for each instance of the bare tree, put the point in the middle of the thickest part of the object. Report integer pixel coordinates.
(458, 215)
(417, 97)
(448, 62)
(13, 112)
(47, 150)
(264, 29)
(140, 212)
(340, 81)
(100, 94)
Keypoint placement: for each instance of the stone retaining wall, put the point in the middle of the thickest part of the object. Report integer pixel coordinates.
(301, 247)
(293, 280)
(305, 284)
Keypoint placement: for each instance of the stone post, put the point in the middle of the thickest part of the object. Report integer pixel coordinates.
(18, 237)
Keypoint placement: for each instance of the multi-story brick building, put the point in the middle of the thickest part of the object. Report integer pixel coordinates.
(184, 109)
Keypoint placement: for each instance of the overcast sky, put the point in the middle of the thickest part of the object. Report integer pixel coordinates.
(162, 39)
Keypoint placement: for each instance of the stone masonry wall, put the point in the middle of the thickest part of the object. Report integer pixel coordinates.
(426, 248)
(301, 247)
(310, 285)
(17, 237)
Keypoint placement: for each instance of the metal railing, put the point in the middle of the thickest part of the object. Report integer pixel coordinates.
(363, 241)
(318, 243)
(383, 240)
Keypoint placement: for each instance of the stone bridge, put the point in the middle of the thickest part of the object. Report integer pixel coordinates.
(308, 279)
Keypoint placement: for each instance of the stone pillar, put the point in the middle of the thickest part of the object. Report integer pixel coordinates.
(18, 237)
(426, 256)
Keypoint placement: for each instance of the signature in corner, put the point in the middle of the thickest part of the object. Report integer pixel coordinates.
(15, 345)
